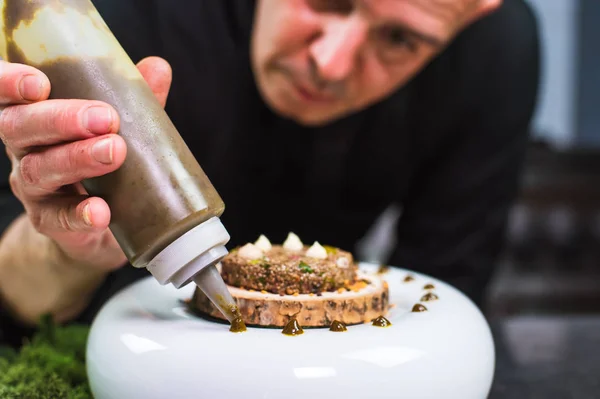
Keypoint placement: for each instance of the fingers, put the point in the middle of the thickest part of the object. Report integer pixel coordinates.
(158, 74)
(66, 164)
(79, 214)
(20, 84)
(23, 127)
(482, 9)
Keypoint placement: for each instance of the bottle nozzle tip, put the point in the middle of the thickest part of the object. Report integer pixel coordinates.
(210, 282)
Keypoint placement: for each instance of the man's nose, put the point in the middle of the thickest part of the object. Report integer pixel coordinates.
(336, 51)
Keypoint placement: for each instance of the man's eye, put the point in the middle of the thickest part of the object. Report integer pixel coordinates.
(393, 43)
(333, 6)
(398, 37)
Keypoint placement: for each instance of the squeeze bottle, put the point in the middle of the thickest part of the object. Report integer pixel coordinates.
(165, 211)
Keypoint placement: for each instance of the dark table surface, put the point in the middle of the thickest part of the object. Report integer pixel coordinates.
(547, 357)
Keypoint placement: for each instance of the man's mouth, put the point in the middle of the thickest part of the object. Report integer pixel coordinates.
(309, 94)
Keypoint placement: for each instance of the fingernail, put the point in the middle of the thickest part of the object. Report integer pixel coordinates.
(30, 88)
(98, 119)
(102, 151)
(87, 217)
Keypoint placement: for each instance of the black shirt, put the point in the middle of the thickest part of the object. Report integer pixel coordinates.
(447, 147)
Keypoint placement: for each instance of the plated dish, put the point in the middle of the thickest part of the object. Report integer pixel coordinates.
(430, 341)
(295, 285)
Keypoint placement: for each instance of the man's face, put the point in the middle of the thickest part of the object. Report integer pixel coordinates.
(319, 60)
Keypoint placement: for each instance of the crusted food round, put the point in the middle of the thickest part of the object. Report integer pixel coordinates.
(287, 272)
(364, 301)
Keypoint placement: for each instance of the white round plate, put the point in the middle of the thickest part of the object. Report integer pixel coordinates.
(145, 344)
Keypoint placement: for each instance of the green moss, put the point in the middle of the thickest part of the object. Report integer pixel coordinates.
(50, 366)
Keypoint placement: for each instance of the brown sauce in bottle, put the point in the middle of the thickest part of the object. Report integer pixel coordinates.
(338, 326)
(430, 296)
(381, 322)
(292, 328)
(173, 202)
(419, 308)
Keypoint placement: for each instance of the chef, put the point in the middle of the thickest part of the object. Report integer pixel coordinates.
(310, 116)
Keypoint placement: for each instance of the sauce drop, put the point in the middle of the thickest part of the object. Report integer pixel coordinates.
(430, 296)
(381, 322)
(383, 269)
(237, 325)
(337, 326)
(408, 278)
(429, 287)
(292, 328)
(419, 308)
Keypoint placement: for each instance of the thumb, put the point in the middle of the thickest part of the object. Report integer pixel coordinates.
(158, 74)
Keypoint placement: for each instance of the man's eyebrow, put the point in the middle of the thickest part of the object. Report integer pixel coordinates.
(411, 30)
(423, 36)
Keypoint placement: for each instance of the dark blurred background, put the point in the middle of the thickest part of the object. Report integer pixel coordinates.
(552, 262)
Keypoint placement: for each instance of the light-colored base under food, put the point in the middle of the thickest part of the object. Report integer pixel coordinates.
(143, 331)
(273, 310)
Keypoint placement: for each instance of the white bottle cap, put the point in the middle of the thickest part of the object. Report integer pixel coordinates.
(185, 257)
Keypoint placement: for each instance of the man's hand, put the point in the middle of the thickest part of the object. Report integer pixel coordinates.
(54, 145)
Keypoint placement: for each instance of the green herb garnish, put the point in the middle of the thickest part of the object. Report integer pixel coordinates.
(305, 267)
